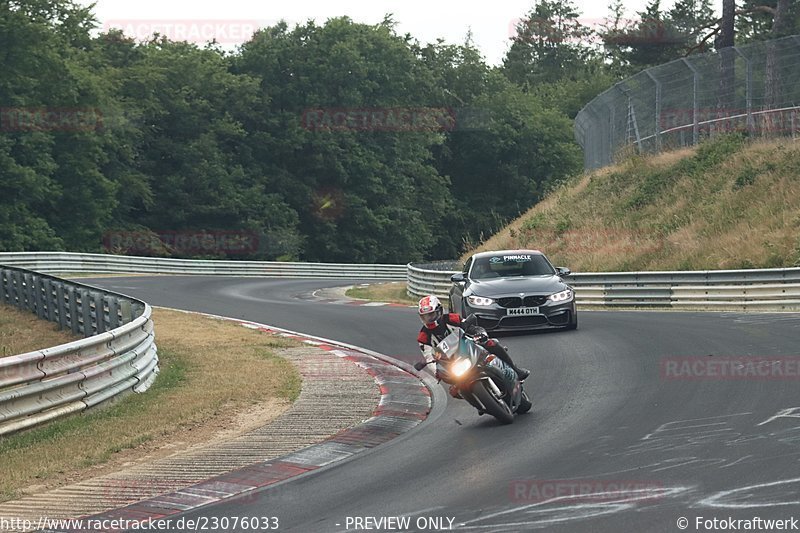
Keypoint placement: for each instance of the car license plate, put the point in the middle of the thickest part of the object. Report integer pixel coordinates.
(522, 311)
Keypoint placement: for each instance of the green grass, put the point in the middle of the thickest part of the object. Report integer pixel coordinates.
(728, 203)
(210, 371)
(382, 292)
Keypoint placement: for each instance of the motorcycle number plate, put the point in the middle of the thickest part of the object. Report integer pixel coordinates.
(522, 311)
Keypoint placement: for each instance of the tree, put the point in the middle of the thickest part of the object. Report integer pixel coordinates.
(385, 198)
(653, 39)
(550, 45)
(51, 157)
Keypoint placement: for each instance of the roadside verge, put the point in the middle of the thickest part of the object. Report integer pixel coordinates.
(397, 400)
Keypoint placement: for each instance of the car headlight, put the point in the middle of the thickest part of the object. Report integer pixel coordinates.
(480, 301)
(460, 367)
(563, 296)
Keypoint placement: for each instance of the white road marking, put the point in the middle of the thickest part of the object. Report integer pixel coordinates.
(791, 412)
(737, 461)
(714, 500)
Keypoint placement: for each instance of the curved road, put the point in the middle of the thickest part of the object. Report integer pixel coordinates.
(644, 445)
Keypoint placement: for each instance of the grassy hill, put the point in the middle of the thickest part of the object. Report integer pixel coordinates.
(728, 203)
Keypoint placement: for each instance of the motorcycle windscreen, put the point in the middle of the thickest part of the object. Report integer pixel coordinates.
(449, 345)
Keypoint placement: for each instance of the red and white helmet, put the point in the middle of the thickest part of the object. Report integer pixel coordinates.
(430, 311)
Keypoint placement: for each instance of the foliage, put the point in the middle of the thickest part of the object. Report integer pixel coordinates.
(191, 139)
(198, 140)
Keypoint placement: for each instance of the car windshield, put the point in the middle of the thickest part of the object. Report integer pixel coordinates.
(507, 265)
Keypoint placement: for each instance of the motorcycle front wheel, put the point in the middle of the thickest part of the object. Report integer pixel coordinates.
(494, 406)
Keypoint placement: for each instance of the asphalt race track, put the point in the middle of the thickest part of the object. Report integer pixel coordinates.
(645, 446)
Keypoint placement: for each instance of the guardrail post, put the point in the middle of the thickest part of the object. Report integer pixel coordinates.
(99, 313)
(113, 312)
(18, 298)
(5, 287)
(50, 300)
(40, 297)
(60, 305)
(86, 312)
(72, 301)
(126, 311)
(28, 292)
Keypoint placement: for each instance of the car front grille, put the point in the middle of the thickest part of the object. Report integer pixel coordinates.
(511, 301)
(516, 301)
(535, 301)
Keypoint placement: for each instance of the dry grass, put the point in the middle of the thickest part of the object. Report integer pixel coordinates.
(22, 332)
(725, 204)
(217, 379)
(394, 292)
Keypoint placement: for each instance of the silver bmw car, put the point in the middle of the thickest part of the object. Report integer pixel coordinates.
(514, 290)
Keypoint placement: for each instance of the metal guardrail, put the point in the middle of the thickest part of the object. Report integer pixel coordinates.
(60, 262)
(775, 289)
(118, 354)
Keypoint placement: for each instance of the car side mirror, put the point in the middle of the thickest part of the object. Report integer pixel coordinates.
(563, 271)
(457, 278)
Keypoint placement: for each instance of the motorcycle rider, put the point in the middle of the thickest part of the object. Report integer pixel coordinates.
(436, 326)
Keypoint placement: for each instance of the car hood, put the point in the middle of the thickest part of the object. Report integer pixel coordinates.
(512, 286)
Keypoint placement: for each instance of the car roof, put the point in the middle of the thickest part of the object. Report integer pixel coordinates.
(506, 252)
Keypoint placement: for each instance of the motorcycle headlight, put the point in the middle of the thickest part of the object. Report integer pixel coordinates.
(563, 296)
(460, 367)
(480, 301)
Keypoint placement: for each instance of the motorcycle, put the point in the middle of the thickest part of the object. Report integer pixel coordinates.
(481, 378)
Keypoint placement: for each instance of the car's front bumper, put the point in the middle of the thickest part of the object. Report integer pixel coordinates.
(551, 315)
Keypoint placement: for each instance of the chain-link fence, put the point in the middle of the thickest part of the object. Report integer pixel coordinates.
(753, 88)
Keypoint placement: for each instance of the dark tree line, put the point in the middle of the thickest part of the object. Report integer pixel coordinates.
(335, 142)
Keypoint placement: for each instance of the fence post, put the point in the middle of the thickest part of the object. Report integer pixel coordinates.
(748, 88)
(695, 103)
(611, 132)
(630, 118)
(658, 109)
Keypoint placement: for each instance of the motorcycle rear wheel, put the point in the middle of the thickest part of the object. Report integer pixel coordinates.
(525, 405)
